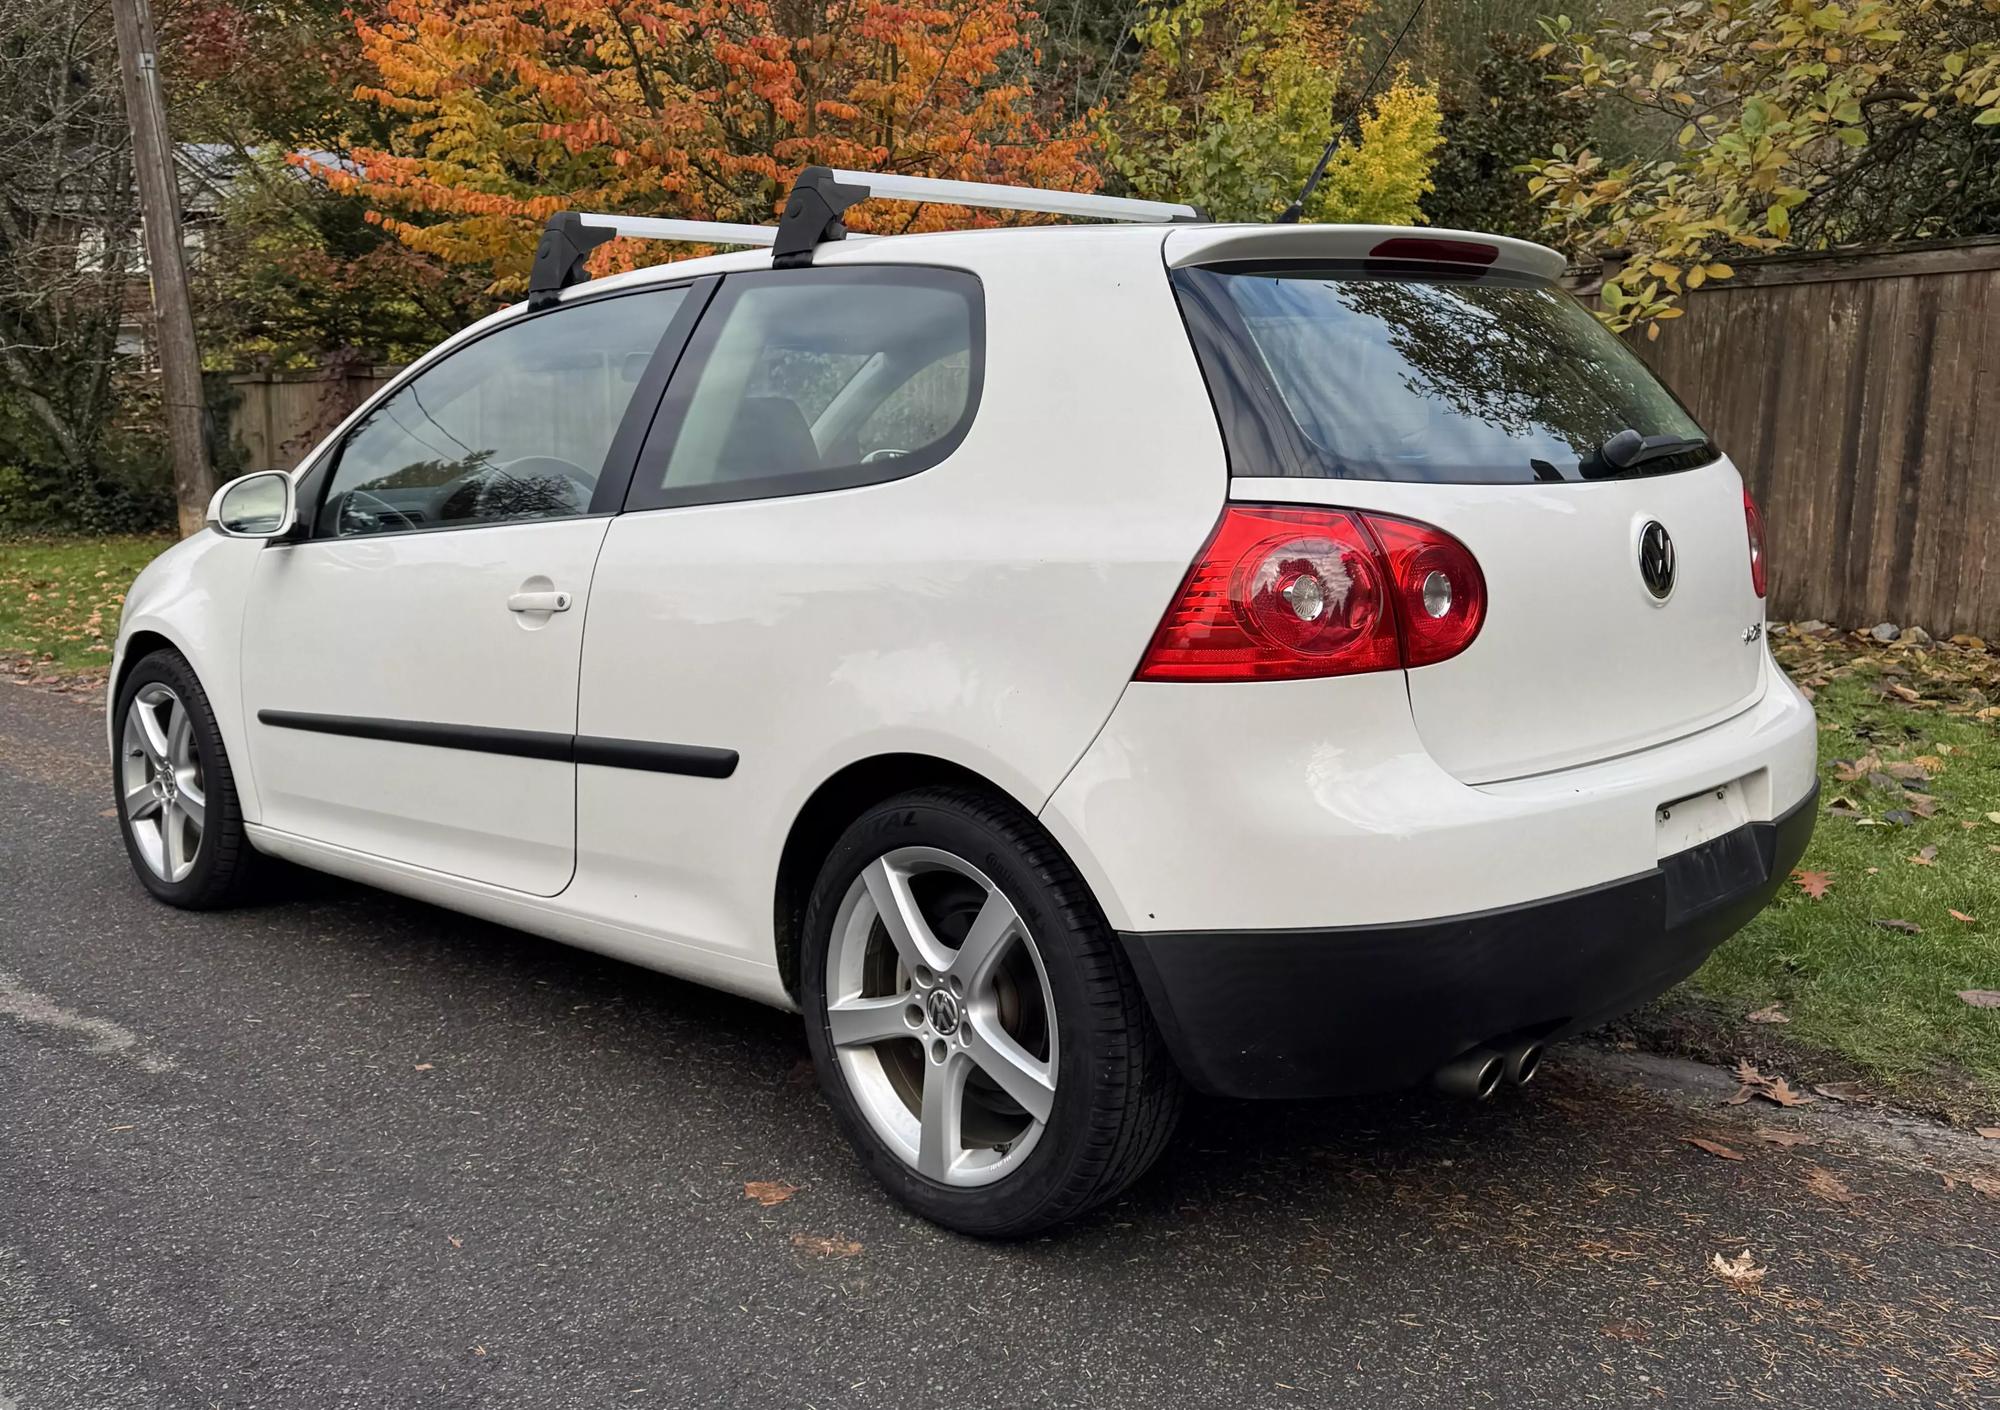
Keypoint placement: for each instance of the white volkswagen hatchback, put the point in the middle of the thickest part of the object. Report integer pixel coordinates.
(1065, 663)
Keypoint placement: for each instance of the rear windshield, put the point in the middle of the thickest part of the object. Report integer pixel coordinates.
(1365, 373)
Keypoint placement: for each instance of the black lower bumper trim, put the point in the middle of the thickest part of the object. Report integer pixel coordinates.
(1295, 1013)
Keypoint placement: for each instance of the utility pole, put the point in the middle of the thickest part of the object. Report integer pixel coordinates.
(160, 205)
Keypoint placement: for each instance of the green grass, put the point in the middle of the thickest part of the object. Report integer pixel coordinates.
(1883, 999)
(60, 598)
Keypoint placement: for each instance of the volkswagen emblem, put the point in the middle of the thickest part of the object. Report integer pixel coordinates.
(1656, 559)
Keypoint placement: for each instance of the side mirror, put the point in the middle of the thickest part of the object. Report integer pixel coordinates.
(260, 506)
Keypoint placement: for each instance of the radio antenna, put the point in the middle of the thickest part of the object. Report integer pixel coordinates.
(1292, 214)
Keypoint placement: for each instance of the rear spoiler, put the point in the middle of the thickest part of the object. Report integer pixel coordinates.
(1458, 249)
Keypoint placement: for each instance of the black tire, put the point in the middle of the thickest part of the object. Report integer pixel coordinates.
(1117, 1094)
(225, 866)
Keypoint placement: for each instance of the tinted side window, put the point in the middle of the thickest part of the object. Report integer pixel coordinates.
(513, 426)
(806, 380)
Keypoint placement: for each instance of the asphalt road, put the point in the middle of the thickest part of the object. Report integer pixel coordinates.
(353, 1151)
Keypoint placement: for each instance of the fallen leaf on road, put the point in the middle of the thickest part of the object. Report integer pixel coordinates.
(1714, 1147)
(1841, 1091)
(109, 813)
(1780, 1137)
(768, 1192)
(1741, 1271)
(1986, 1184)
(825, 1247)
(1961, 915)
(1981, 998)
(1905, 927)
(1813, 883)
(1780, 1091)
(1925, 858)
(1768, 1014)
(1623, 1331)
(422, 1067)
(1991, 1133)
(456, 1241)
(1828, 1186)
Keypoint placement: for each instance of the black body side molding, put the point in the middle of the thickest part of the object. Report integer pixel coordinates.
(694, 760)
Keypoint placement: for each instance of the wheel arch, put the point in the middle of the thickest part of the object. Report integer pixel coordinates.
(826, 813)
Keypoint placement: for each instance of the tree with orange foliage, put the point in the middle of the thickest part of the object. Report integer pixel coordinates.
(508, 110)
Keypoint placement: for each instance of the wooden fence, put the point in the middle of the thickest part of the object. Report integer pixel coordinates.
(1860, 393)
(278, 416)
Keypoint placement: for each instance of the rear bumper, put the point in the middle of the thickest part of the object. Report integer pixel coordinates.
(1295, 1013)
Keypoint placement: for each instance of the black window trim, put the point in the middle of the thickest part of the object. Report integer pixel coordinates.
(620, 457)
(651, 463)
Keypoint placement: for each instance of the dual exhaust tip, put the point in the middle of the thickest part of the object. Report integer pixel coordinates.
(1475, 1074)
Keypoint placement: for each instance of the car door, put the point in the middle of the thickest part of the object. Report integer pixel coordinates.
(410, 664)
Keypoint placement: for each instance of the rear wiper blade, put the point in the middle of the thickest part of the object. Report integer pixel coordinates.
(1628, 448)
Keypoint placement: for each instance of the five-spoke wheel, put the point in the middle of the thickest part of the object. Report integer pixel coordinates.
(941, 1014)
(176, 795)
(975, 1024)
(160, 778)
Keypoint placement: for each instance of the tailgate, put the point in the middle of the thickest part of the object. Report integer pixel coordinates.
(1577, 660)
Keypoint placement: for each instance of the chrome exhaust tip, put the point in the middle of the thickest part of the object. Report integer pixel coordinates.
(1472, 1075)
(1522, 1063)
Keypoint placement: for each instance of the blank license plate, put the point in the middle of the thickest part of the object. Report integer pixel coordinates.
(1689, 822)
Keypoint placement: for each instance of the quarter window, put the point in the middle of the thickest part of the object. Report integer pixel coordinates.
(807, 380)
(513, 426)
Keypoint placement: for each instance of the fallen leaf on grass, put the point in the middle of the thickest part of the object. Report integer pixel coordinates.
(1993, 818)
(768, 1192)
(1741, 1271)
(1779, 1137)
(1912, 768)
(824, 1247)
(1828, 1186)
(1926, 858)
(1981, 998)
(1901, 817)
(1715, 1148)
(1961, 915)
(1905, 694)
(1813, 883)
(1922, 804)
(1905, 927)
(1768, 1014)
(1854, 770)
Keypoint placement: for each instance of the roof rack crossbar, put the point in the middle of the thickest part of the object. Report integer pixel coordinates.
(890, 187)
(812, 217)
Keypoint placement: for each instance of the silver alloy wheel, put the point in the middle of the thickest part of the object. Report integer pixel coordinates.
(941, 1016)
(160, 782)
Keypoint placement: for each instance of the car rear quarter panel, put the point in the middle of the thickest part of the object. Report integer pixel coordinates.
(987, 612)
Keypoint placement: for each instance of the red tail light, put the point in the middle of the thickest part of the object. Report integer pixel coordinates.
(1439, 591)
(1754, 522)
(1282, 593)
